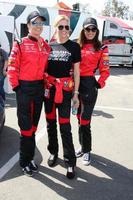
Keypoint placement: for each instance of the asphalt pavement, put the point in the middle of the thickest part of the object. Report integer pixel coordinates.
(110, 174)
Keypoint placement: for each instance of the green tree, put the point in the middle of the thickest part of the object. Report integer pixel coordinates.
(116, 8)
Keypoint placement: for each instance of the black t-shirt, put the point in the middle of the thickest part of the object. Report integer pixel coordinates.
(62, 58)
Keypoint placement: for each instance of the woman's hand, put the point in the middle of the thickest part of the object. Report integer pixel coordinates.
(4, 73)
(75, 101)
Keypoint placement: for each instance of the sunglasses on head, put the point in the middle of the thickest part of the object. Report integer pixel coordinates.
(90, 29)
(61, 27)
(38, 23)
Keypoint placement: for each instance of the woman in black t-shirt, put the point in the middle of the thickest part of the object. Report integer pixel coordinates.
(62, 83)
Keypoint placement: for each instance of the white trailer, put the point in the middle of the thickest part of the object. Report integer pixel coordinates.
(20, 13)
(119, 42)
(6, 38)
(13, 24)
(6, 31)
(119, 53)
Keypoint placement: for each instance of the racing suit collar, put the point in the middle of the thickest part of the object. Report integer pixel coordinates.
(32, 38)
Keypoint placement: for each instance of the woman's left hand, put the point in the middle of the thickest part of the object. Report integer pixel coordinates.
(4, 73)
(75, 100)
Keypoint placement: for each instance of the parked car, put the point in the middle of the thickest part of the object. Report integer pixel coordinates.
(2, 113)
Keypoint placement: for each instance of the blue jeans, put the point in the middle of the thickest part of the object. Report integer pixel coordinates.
(2, 92)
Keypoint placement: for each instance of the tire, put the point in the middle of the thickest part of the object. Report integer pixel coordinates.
(130, 66)
(121, 65)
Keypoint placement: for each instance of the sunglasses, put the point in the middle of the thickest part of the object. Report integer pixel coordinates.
(38, 23)
(61, 27)
(91, 29)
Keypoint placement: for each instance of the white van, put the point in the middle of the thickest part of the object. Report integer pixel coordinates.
(120, 50)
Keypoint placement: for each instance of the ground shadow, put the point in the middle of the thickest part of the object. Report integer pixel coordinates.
(112, 182)
(103, 114)
(8, 138)
(118, 71)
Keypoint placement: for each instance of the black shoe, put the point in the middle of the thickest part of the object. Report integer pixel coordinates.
(33, 166)
(27, 171)
(70, 173)
(52, 160)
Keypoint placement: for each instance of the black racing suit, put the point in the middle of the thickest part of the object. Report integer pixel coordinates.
(60, 66)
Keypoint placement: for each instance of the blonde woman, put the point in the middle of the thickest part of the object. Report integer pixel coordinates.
(62, 86)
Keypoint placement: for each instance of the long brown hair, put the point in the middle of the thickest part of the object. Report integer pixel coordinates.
(83, 40)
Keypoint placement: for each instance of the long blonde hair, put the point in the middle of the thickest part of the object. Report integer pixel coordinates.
(59, 18)
(56, 22)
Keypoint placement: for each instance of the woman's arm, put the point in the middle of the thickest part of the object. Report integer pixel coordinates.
(76, 84)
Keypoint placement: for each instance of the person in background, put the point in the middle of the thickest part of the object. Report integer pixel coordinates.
(62, 85)
(27, 63)
(3, 70)
(94, 56)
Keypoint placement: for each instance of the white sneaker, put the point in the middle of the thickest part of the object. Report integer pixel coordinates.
(78, 153)
(86, 158)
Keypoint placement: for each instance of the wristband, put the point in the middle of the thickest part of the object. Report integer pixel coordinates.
(76, 92)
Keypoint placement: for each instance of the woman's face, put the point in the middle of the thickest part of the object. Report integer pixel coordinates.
(63, 29)
(36, 27)
(90, 32)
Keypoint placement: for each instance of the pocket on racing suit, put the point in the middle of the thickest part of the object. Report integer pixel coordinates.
(90, 97)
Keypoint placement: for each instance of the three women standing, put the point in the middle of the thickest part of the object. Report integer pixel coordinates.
(27, 63)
